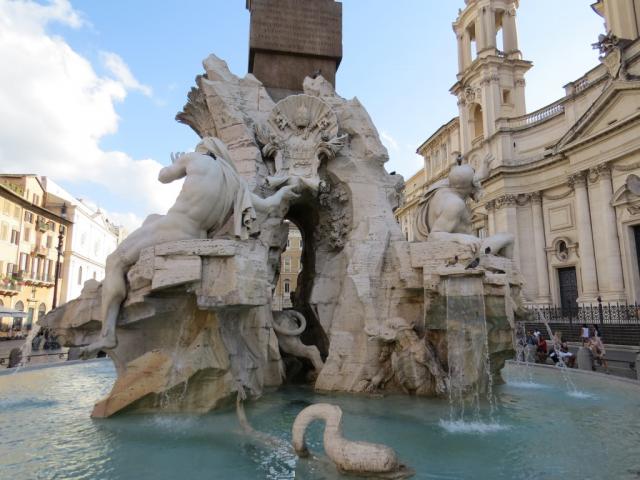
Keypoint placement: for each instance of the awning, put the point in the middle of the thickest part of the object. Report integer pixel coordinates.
(10, 312)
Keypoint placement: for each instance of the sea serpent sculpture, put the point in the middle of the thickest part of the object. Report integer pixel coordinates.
(289, 325)
(360, 458)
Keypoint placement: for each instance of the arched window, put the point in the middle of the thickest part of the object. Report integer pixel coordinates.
(80, 276)
(42, 310)
(478, 125)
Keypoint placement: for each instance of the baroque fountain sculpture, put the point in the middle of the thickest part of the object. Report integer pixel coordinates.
(185, 310)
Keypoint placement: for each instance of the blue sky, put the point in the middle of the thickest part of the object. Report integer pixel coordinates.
(134, 62)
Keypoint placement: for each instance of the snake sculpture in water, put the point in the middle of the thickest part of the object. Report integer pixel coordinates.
(361, 458)
(288, 332)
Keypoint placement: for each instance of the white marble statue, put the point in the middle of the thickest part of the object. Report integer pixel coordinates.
(411, 360)
(288, 332)
(359, 458)
(212, 192)
(301, 131)
(445, 215)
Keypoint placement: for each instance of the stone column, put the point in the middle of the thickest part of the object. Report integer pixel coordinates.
(461, 56)
(466, 49)
(481, 41)
(490, 27)
(491, 105)
(611, 251)
(540, 244)
(465, 134)
(519, 97)
(509, 33)
(585, 238)
(508, 203)
(490, 206)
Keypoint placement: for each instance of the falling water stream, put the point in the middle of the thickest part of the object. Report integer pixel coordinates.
(27, 347)
(525, 370)
(572, 390)
(470, 378)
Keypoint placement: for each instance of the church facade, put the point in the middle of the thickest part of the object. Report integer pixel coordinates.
(562, 178)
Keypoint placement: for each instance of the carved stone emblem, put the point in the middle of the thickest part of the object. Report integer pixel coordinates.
(613, 62)
(301, 131)
(469, 94)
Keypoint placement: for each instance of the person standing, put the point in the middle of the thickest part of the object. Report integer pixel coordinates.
(584, 335)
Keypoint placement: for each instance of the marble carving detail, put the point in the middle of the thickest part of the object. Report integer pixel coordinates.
(193, 317)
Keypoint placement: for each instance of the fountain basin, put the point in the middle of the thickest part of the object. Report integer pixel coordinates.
(538, 429)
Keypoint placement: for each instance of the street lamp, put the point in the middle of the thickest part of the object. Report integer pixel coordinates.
(55, 280)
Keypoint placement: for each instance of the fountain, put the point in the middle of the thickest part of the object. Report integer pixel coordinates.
(185, 312)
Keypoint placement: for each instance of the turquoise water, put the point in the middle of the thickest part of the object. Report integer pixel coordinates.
(540, 430)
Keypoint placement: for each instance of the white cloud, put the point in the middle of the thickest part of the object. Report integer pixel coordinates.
(388, 141)
(403, 158)
(114, 63)
(130, 221)
(406, 163)
(54, 109)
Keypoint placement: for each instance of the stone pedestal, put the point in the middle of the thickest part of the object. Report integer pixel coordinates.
(195, 327)
(584, 359)
(493, 283)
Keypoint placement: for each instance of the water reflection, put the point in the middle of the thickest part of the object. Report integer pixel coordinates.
(46, 432)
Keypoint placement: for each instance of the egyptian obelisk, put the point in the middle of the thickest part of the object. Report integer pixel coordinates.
(292, 39)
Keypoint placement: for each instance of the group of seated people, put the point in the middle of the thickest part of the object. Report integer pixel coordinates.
(558, 351)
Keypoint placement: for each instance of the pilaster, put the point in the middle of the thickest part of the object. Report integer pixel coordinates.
(539, 243)
(611, 283)
(588, 272)
(507, 205)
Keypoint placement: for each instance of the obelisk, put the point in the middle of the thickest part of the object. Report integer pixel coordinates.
(292, 39)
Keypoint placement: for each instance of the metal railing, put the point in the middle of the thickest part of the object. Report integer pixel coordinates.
(10, 286)
(61, 356)
(35, 277)
(600, 314)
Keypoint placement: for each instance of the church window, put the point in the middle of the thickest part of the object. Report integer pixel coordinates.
(478, 126)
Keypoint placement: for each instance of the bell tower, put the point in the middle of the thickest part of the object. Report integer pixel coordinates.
(490, 82)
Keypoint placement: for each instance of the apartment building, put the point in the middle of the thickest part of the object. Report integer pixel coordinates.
(29, 238)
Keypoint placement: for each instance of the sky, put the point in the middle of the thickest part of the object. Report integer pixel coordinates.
(89, 89)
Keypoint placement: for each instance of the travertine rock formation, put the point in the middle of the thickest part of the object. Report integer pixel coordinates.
(196, 325)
